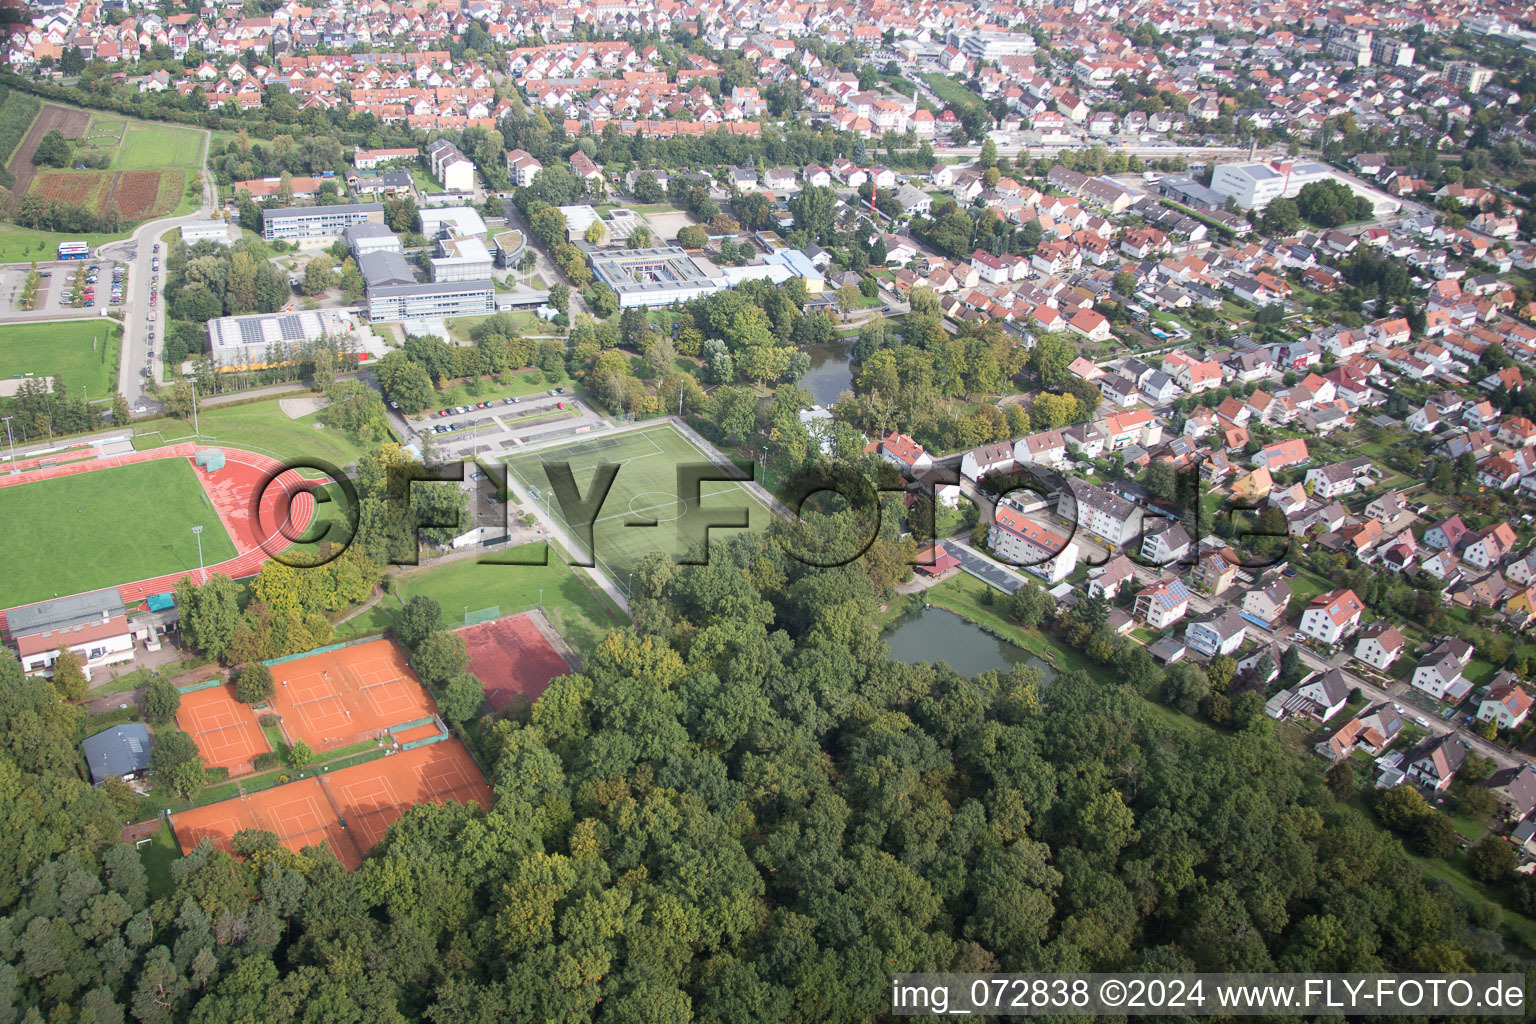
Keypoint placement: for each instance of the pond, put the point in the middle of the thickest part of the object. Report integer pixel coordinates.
(831, 372)
(934, 634)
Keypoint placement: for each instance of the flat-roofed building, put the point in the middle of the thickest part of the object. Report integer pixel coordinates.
(369, 236)
(461, 259)
(207, 231)
(461, 221)
(1255, 185)
(314, 224)
(270, 339)
(436, 300)
(657, 276)
(509, 246)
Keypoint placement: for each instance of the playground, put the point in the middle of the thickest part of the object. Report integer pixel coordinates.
(338, 696)
(348, 810)
(513, 659)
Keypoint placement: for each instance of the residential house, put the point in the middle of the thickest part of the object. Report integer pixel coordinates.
(1515, 789)
(1030, 546)
(1338, 478)
(1506, 705)
(1266, 605)
(1214, 573)
(1333, 616)
(1326, 693)
(1089, 324)
(1216, 633)
(1438, 673)
(1111, 576)
(1160, 388)
(989, 458)
(1379, 645)
(1278, 455)
(1047, 447)
(1163, 604)
(1488, 546)
(1099, 512)
(1253, 486)
(1165, 543)
(1446, 534)
(905, 454)
(1372, 731)
(1435, 762)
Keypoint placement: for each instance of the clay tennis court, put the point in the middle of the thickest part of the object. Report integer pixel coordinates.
(513, 659)
(300, 814)
(373, 796)
(336, 698)
(349, 810)
(225, 730)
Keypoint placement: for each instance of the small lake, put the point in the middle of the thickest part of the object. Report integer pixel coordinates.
(831, 372)
(934, 634)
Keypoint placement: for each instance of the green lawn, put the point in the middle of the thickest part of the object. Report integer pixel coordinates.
(951, 91)
(423, 180)
(522, 319)
(85, 354)
(1306, 585)
(529, 382)
(149, 147)
(261, 427)
(578, 609)
(134, 521)
(645, 490)
(23, 245)
(157, 855)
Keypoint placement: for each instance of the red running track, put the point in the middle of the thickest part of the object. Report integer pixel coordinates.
(258, 534)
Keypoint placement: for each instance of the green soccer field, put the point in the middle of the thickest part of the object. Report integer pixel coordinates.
(142, 146)
(645, 491)
(84, 353)
(103, 529)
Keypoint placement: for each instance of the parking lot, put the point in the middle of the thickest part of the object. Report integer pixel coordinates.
(97, 288)
(504, 422)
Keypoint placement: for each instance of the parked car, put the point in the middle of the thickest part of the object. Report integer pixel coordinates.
(509, 401)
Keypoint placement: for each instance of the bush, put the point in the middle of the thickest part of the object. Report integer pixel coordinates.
(253, 683)
(267, 760)
(268, 720)
(299, 755)
(161, 702)
(1493, 860)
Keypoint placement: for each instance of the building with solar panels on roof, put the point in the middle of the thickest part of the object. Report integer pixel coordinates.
(270, 339)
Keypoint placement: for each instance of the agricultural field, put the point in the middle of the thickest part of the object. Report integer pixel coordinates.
(17, 109)
(84, 354)
(135, 521)
(82, 188)
(147, 165)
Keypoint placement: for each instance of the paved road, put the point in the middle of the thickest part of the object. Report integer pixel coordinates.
(1201, 604)
(139, 318)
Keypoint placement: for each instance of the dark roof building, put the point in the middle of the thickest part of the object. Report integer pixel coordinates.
(121, 751)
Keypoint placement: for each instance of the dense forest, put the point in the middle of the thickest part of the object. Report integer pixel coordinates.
(739, 811)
